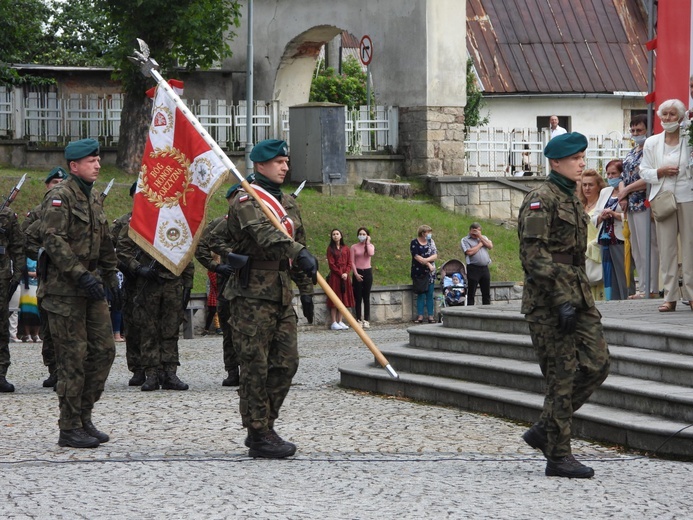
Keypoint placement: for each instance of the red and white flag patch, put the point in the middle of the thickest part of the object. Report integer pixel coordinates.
(56, 203)
(535, 205)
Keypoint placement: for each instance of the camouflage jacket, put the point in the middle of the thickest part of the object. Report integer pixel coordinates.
(118, 225)
(204, 252)
(552, 223)
(74, 233)
(32, 216)
(131, 256)
(12, 256)
(249, 232)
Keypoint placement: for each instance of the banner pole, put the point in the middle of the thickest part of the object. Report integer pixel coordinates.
(149, 68)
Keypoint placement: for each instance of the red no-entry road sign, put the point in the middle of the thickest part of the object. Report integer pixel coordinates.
(366, 50)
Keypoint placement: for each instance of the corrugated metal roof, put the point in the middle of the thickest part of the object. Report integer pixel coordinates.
(558, 46)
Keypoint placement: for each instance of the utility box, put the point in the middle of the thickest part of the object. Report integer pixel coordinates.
(318, 143)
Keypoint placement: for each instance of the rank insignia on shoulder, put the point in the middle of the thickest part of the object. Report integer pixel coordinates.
(535, 205)
(243, 198)
(56, 203)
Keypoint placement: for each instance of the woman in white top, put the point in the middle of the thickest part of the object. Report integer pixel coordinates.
(665, 166)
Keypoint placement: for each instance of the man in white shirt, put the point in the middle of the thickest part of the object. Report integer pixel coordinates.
(555, 128)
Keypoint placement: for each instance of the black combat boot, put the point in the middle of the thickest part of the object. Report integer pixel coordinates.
(152, 380)
(52, 378)
(269, 445)
(5, 385)
(233, 378)
(567, 467)
(93, 432)
(77, 438)
(137, 378)
(172, 382)
(536, 437)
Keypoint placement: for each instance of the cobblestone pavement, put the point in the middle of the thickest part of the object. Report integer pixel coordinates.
(179, 455)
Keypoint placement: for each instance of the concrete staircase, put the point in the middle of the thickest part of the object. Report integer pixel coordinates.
(481, 359)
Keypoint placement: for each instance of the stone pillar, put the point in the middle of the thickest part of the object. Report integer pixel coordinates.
(432, 140)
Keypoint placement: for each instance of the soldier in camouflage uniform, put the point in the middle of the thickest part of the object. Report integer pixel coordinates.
(557, 302)
(55, 176)
(12, 266)
(263, 320)
(133, 339)
(158, 300)
(78, 260)
(205, 256)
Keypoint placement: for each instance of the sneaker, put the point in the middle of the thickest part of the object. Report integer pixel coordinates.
(335, 326)
(36, 339)
(343, 325)
(15, 339)
(366, 325)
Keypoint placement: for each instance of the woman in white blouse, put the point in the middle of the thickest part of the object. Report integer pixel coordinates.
(665, 167)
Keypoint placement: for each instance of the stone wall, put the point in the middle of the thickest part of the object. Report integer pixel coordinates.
(432, 140)
(389, 304)
(492, 198)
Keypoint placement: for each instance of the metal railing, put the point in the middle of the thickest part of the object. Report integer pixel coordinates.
(45, 118)
(493, 152)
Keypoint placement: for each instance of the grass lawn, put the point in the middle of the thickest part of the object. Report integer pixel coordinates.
(392, 222)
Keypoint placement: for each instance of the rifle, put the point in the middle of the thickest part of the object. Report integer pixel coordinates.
(104, 193)
(13, 195)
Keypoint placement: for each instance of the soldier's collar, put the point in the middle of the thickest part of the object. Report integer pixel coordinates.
(566, 185)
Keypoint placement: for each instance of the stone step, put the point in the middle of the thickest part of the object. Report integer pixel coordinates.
(666, 367)
(627, 392)
(618, 330)
(628, 428)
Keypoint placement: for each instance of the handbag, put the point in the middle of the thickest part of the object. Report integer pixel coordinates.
(421, 284)
(663, 205)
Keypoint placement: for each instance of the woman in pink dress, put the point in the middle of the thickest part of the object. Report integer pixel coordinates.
(339, 260)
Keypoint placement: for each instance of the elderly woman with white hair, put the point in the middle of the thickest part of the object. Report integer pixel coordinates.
(665, 167)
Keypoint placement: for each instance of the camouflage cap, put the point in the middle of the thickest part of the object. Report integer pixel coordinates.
(77, 150)
(565, 145)
(56, 173)
(269, 149)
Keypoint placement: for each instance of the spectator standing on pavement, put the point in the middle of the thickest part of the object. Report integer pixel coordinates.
(264, 323)
(362, 280)
(423, 271)
(476, 249)
(564, 324)
(339, 260)
(78, 262)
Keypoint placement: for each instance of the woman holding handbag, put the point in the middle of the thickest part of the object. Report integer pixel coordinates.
(591, 185)
(423, 271)
(665, 166)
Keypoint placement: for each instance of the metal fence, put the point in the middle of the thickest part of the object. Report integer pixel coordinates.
(47, 119)
(492, 152)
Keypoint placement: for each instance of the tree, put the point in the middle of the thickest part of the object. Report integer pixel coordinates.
(475, 101)
(348, 88)
(22, 37)
(189, 33)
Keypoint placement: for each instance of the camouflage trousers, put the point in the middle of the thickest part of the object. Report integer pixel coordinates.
(133, 350)
(47, 348)
(230, 356)
(573, 365)
(157, 313)
(84, 349)
(4, 326)
(265, 337)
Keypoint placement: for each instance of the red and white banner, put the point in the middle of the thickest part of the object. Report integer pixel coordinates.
(179, 173)
(674, 59)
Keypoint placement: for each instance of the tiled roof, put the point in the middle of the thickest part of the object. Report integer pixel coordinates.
(558, 46)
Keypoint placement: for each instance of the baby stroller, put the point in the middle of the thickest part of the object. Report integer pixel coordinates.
(453, 277)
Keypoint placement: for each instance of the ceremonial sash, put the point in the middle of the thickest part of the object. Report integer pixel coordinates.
(275, 207)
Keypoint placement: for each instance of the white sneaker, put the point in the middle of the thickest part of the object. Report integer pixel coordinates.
(343, 325)
(335, 326)
(365, 324)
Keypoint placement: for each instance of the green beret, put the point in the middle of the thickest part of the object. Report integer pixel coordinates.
(269, 149)
(56, 173)
(565, 145)
(133, 188)
(77, 150)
